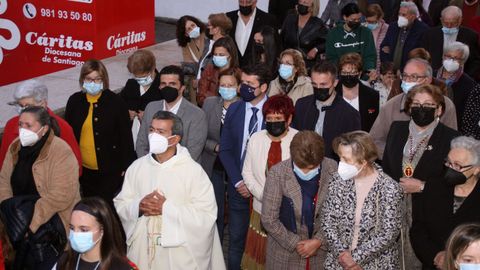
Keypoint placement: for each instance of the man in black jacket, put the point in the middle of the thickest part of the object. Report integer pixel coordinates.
(451, 30)
(246, 21)
(325, 111)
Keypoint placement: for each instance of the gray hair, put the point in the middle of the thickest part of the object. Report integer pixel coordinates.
(452, 10)
(30, 88)
(177, 128)
(424, 63)
(412, 7)
(458, 46)
(469, 144)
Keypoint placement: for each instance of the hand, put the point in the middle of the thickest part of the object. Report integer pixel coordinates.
(439, 260)
(243, 190)
(346, 260)
(152, 204)
(386, 49)
(372, 75)
(140, 115)
(132, 114)
(312, 53)
(411, 185)
(308, 248)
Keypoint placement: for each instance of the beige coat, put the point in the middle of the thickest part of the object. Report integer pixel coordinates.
(302, 88)
(55, 173)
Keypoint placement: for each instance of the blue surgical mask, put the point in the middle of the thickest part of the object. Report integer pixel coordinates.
(227, 93)
(195, 33)
(247, 92)
(82, 242)
(144, 81)
(372, 26)
(285, 71)
(93, 88)
(449, 31)
(469, 266)
(305, 176)
(220, 61)
(407, 86)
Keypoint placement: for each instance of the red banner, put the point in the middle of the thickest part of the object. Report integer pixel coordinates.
(43, 36)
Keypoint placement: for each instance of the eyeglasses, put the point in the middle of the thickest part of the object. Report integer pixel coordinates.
(424, 105)
(96, 80)
(447, 57)
(457, 167)
(353, 73)
(412, 78)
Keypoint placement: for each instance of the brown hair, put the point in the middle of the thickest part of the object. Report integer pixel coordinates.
(221, 21)
(363, 147)
(374, 10)
(298, 61)
(307, 149)
(141, 62)
(420, 53)
(228, 44)
(235, 72)
(430, 89)
(91, 66)
(462, 237)
(353, 59)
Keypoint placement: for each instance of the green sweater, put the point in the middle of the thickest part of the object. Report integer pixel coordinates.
(340, 42)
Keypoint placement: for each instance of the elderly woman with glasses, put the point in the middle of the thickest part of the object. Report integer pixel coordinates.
(414, 155)
(446, 208)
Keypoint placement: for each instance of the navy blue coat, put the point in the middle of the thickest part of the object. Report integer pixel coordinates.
(340, 117)
(413, 41)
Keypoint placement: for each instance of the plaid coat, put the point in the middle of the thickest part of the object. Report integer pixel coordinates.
(281, 243)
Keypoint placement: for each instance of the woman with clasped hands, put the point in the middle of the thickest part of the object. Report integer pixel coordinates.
(362, 213)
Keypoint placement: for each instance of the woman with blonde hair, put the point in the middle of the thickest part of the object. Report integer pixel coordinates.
(292, 79)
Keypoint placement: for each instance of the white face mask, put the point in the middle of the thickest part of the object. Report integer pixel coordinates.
(451, 65)
(347, 171)
(158, 143)
(402, 21)
(28, 137)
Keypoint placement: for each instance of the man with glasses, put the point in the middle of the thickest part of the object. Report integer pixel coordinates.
(242, 120)
(34, 93)
(416, 72)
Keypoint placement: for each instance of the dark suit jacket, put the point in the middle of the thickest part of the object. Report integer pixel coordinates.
(136, 102)
(369, 105)
(111, 127)
(432, 41)
(231, 141)
(435, 9)
(412, 41)
(431, 229)
(261, 19)
(212, 107)
(340, 117)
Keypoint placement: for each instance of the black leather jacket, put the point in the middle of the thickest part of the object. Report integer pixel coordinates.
(313, 35)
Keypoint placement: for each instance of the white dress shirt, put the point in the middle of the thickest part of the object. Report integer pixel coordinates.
(353, 102)
(175, 107)
(243, 31)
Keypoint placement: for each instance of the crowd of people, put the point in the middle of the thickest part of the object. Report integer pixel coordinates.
(343, 140)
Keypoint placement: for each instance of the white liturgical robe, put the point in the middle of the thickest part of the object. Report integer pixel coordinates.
(185, 235)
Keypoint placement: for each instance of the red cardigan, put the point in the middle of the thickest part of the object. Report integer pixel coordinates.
(10, 133)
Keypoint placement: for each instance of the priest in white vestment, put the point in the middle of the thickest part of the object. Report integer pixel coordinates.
(167, 205)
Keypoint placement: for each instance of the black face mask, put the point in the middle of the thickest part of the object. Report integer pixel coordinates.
(169, 93)
(422, 116)
(349, 81)
(302, 9)
(246, 10)
(259, 48)
(453, 177)
(321, 94)
(353, 25)
(275, 128)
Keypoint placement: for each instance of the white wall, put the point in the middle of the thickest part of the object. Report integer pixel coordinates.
(202, 8)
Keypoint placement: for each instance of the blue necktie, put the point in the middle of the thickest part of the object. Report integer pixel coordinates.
(252, 126)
